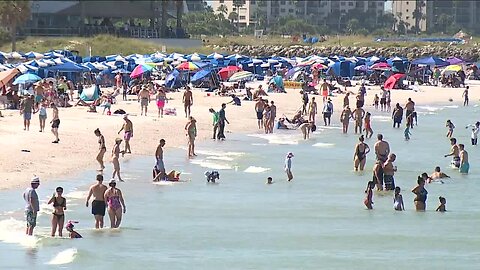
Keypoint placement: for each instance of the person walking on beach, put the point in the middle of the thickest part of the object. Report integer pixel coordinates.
(304, 101)
(32, 205)
(161, 98)
(360, 154)
(368, 126)
(98, 204)
(214, 122)
(102, 148)
(397, 115)
(358, 115)
(465, 96)
(450, 126)
(259, 108)
(369, 197)
(191, 133)
(382, 148)
(388, 100)
(144, 99)
(383, 100)
(389, 171)
(420, 195)
(59, 206)
(345, 119)
(327, 112)
(267, 118)
(376, 100)
(346, 99)
(222, 119)
(288, 166)
(187, 101)
(398, 200)
(115, 204)
(325, 87)
(26, 108)
(464, 165)
(55, 122)
(159, 165)
(312, 110)
(127, 128)
(273, 115)
(42, 115)
(454, 153)
(115, 159)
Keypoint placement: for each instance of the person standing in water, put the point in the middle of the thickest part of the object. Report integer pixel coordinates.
(187, 101)
(191, 132)
(454, 153)
(144, 99)
(407, 132)
(98, 204)
(345, 119)
(288, 166)
(464, 165)
(115, 159)
(397, 115)
(450, 126)
(360, 154)
(222, 119)
(475, 130)
(465, 96)
(32, 205)
(442, 206)
(59, 206)
(358, 115)
(382, 148)
(55, 122)
(368, 126)
(369, 197)
(327, 112)
(398, 200)
(421, 195)
(259, 108)
(306, 128)
(115, 203)
(409, 108)
(127, 128)
(101, 149)
(312, 110)
(389, 171)
(378, 174)
(160, 165)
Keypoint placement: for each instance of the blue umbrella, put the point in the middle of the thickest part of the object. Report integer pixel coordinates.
(27, 78)
(200, 75)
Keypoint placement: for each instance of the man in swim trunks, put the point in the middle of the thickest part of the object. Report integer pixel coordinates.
(32, 205)
(383, 100)
(358, 115)
(259, 108)
(55, 122)
(464, 165)
(187, 101)
(26, 107)
(144, 99)
(327, 112)
(454, 152)
(159, 165)
(128, 133)
(388, 172)
(397, 115)
(438, 174)
(98, 203)
(382, 149)
(410, 108)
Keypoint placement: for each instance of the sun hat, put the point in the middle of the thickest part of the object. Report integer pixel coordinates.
(290, 154)
(118, 140)
(35, 180)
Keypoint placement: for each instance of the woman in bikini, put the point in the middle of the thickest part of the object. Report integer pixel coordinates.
(115, 159)
(360, 154)
(345, 118)
(59, 206)
(101, 148)
(115, 204)
(191, 130)
(161, 99)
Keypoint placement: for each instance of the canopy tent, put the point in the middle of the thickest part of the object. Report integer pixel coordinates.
(90, 93)
(6, 76)
(27, 78)
(455, 61)
(392, 81)
(430, 61)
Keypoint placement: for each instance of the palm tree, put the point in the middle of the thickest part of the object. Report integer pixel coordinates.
(237, 4)
(179, 8)
(12, 15)
(418, 14)
(163, 25)
(223, 10)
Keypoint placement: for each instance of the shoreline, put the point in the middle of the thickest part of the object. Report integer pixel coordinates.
(78, 147)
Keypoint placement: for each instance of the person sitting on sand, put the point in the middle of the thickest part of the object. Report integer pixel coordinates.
(72, 233)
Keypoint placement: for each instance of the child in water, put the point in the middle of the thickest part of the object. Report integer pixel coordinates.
(407, 132)
(368, 126)
(369, 198)
(376, 100)
(69, 227)
(269, 180)
(441, 207)
(450, 126)
(398, 200)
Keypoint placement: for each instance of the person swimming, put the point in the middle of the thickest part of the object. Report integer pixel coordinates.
(69, 227)
(211, 176)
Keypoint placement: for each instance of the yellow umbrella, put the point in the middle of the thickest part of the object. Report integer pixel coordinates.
(451, 69)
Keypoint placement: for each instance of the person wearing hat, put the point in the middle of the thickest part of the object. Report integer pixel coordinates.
(288, 166)
(187, 101)
(115, 159)
(32, 204)
(115, 204)
(144, 99)
(127, 128)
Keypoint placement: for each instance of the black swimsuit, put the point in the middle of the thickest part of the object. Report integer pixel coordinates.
(361, 155)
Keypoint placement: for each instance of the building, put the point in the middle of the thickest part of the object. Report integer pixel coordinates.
(317, 11)
(404, 11)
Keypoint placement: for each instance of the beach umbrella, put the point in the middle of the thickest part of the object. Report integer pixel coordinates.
(240, 76)
(319, 66)
(451, 69)
(392, 80)
(6, 76)
(121, 71)
(381, 66)
(139, 70)
(363, 68)
(455, 61)
(308, 62)
(27, 78)
(201, 74)
(187, 66)
(228, 71)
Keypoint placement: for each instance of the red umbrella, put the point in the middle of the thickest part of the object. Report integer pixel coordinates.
(228, 71)
(392, 80)
(381, 66)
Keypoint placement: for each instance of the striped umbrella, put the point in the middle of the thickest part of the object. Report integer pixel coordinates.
(187, 66)
(139, 70)
(240, 76)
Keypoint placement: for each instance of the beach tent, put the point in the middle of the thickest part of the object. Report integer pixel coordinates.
(455, 61)
(430, 61)
(278, 81)
(6, 76)
(90, 93)
(392, 81)
(173, 80)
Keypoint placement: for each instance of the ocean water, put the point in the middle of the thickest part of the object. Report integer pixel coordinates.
(317, 221)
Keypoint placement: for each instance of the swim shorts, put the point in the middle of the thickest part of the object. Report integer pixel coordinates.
(31, 218)
(389, 182)
(383, 101)
(144, 102)
(27, 116)
(464, 167)
(127, 135)
(56, 123)
(38, 98)
(98, 208)
(160, 166)
(259, 115)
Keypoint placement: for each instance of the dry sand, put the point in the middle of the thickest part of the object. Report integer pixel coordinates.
(77, 149)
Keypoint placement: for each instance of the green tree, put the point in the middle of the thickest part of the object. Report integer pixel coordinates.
(233, 17)
(353, 25)
(223, 10)
(12, 15)
(163, 22)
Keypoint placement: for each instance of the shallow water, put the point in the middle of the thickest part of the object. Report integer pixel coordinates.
(318, 221)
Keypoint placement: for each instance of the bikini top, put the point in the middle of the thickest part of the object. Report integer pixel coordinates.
(56, 204)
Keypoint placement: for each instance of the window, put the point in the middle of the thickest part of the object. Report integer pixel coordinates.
(407, 10)
(407, 17)
(406, 2)
(342, 4)
(222, 1)
(282, 10)
(290, 10)
(350, 4)
(242, 17)
(282, 2)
